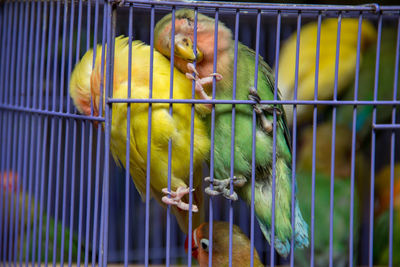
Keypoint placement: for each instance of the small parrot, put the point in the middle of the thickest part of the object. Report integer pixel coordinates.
(220, 246)
(184, 28)
(22, 207)
(327, 59)
(382, 216)
(366, 87)
(85, 83)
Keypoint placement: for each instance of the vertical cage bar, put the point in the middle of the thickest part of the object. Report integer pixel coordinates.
(392, 146)
(294, 139)
(212, 140)
(232, 171)
(82, 156)
(91, 126)
(38, 118)
(190, 228)
(53, 120)
(332, 180)
(149, 118)
(353, 144)
(74, 122)
(14, 119)
(96, 233)
(373, 144)
(45, 140)
(111, 25)
(128, 135)
(253, 144)
(7, 135)
(277, 46)
(59, 142)
(19, 122)
(171, 88)
(31, 129)
(3, 117)
(22, 166)
(40, 168)
(68, 128)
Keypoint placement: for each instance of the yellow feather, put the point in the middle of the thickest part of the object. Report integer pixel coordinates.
(164, 127)
(327, 59)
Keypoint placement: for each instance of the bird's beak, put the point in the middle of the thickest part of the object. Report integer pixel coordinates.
(184, 49)
(195, 251)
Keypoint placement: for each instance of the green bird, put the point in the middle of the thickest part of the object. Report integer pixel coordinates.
(21, 205)
(366, 87)
(184, 56)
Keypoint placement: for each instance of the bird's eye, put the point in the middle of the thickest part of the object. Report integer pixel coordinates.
(189, 22)
(204, 244)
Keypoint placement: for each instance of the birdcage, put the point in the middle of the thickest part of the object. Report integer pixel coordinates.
(65, 197)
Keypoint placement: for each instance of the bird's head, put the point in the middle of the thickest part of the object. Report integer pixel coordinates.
(184, 39)
(220, 245)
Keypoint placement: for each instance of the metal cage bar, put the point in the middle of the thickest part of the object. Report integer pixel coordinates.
(49, 144)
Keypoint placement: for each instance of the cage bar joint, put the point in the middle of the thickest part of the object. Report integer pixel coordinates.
(375, 7)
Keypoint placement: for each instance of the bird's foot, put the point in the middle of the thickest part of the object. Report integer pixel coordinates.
(260, 108)
(200, 82)
(222, 186)
(176, 198)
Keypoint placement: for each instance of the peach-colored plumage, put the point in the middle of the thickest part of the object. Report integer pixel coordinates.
(85, 83)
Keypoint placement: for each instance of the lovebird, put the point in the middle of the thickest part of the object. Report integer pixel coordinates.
(327, 59)
(184, 27)
(85, 83)
(21, 204)
(382, 217)
(366, 87)
(220, 246)
(342, 193)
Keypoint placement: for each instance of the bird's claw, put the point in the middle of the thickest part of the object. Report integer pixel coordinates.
(222, 187)
(200, 82)
(260, 108)
(176, 198)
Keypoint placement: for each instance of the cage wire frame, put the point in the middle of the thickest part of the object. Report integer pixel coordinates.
(19, 106)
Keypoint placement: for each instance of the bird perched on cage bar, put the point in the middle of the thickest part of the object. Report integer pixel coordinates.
(327, 60)
(85, 83)
(184, 30)
(220, 246)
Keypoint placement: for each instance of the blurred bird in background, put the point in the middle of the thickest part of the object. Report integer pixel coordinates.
(22, 204)
(342, 193)
(184, 30)
(382, 216)
(85, 85)
(327, 59)
(241, 255)
(367, 84)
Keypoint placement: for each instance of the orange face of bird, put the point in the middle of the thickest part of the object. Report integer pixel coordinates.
(199, 247)
(183, 41)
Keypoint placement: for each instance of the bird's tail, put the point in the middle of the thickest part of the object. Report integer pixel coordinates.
(79, 86)
(300, 237)
(283, 228)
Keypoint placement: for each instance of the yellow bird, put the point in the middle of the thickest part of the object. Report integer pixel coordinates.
(85, 83)
(327, 59)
